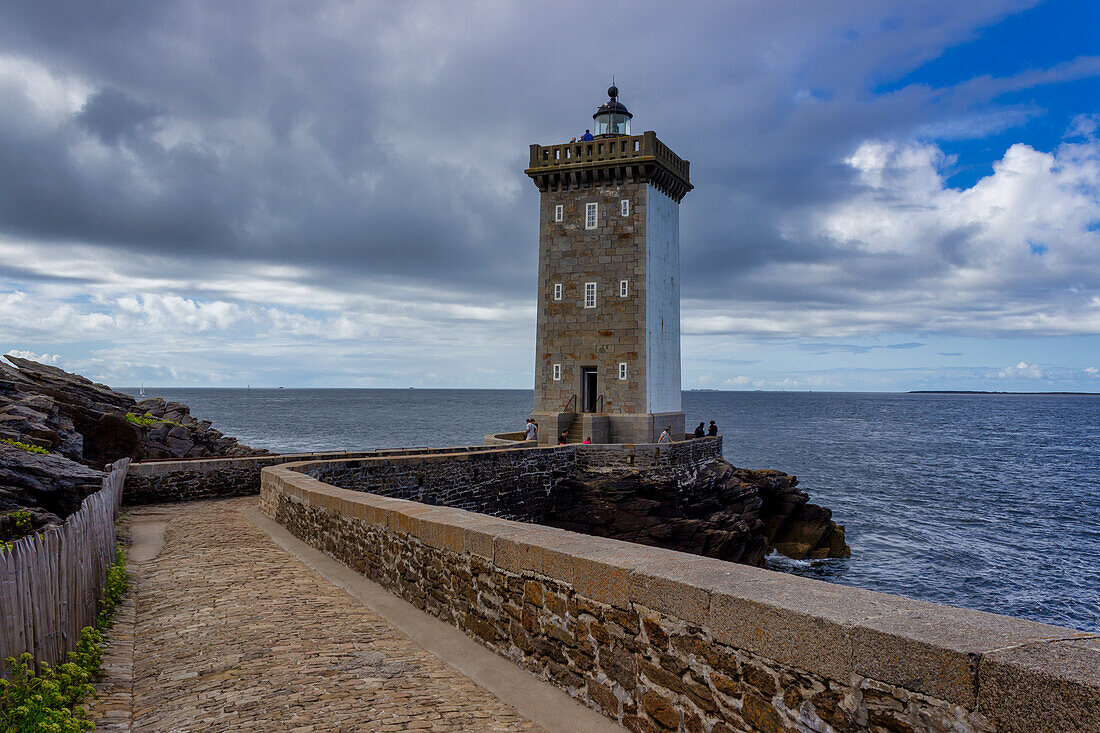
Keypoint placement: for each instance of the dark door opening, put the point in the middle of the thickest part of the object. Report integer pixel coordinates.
(590, 391)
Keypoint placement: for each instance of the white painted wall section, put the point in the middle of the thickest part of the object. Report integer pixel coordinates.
(662, 302)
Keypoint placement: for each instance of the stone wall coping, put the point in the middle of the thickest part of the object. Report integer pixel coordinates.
(970, 658)
(468, 452)
(503, 438)
(199, 465)
(202, 465)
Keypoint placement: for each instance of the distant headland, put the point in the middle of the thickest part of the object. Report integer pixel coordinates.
(982, 391)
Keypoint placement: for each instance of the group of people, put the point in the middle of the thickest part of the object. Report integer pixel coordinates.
(531, 432)
(701, 431)
(585, 137)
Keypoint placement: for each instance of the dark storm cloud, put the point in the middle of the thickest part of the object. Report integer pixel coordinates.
(388, 140)
(110, 114)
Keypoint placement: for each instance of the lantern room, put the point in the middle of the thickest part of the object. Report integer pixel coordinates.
(612, 117)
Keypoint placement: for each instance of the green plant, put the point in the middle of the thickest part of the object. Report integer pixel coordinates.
(48, 700)
(25, 446)
(113, 590)
(146, 420)
(22, 524)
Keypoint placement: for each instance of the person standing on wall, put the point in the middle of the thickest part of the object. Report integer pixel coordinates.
(713, 429)
(531, 432)
(700, 431)
(666, 436)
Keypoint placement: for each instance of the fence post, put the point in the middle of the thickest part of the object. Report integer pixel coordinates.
(50, 582)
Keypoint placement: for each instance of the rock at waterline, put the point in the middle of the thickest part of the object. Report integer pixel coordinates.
(719, 511)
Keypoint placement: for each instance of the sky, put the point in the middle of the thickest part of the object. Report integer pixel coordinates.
(888, 195)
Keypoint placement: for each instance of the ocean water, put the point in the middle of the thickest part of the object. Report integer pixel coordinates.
(989, 502)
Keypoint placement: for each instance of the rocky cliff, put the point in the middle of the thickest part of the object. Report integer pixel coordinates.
(82, 426)
(719, 511)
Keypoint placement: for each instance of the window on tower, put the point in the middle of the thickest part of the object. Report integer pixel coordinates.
(624, 207)
(557, 372)
(590, 213)
(590, 295)
(622, 370)
(557, 291)
(624, 288)
(559, 212)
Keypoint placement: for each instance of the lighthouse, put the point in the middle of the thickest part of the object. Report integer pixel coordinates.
(607, 347)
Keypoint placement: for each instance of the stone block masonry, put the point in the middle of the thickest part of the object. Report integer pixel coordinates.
(217, 478)
(512, 483)
(664, 641)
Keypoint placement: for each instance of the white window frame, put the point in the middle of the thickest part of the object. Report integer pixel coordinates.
(591, 215)
(624, 207)
(622, 370)
(590, 295)
(557, 372)
(557, 291)
(624, 288)
(559, 212)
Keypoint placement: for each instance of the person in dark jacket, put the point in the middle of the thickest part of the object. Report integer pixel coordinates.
(713, 429)
(700, 431)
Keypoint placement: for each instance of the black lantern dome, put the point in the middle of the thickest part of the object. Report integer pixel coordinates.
(612, 117)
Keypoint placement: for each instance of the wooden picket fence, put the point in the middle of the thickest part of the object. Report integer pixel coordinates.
(51, 582)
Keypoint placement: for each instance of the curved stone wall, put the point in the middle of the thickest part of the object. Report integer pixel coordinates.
(156, 482)
(495, 439)
(512, 482)
(664, 641)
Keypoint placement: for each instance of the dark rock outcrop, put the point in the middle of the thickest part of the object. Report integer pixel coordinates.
(69, 403)
(84, 426)
(718, 511)
(48, 487)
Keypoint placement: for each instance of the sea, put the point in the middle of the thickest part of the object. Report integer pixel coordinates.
(985, 501)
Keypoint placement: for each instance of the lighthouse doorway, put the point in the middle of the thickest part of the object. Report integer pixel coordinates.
(590, 390)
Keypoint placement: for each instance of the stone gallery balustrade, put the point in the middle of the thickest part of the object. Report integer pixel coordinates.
(594, 162)
(663, 641)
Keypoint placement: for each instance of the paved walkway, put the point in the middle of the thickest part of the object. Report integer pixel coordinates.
(223, 629)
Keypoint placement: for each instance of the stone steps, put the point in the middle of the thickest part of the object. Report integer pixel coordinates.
(576, 432)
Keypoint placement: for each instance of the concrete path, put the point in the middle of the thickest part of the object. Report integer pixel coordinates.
(232, 624)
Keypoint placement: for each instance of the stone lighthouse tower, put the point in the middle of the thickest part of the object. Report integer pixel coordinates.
(607, 354)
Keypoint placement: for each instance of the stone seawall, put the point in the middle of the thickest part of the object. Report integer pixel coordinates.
(686, 454)
(215, 478)
(512, 482)
(194, 479)
(664, 641)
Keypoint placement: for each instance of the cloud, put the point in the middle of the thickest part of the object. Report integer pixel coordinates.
(111, 114)
(906, 252)
(41, 358)
(223, 189)
(1023, 369)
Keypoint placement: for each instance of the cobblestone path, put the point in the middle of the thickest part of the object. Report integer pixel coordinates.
(232, 633)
